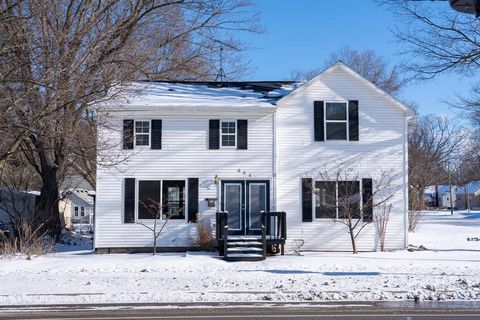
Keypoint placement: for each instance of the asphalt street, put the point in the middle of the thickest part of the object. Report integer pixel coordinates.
(339, 311)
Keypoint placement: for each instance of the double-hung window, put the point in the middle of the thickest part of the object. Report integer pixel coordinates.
(142, 133)
(336, 121)
(75, 211)
(325, 199)
(82, 211)
(337, 200)
(228, 134)
(161, 199)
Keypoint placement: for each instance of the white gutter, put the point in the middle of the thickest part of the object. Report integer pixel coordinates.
(406, 184)
(274, 160)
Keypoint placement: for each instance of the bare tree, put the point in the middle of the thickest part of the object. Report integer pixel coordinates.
(434, 142)
(58, 57)
(338, 195)
(437, 39)
(367, 63)
(160, 215)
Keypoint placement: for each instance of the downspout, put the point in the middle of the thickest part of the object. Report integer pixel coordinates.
(406, 185)
(274, 160)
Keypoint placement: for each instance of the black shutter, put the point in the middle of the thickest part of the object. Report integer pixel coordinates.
(242, 134)
(129, 201)
(192, 199)
(307, 207)
(157, 134)
(214, 134)
(318, 123)
(367, 200)
(127, 134)
(353, 120)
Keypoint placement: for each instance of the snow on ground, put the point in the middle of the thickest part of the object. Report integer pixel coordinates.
(451, 271)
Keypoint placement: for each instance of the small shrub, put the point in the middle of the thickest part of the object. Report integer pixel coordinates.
(205, 237)
(414, 217)
(27, 241)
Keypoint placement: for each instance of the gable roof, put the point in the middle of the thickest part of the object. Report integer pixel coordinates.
(230, 94)
(357, 76)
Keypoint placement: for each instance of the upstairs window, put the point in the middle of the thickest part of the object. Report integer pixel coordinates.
(75, 211)
(142, 133)
(228, 134)
(336, 121)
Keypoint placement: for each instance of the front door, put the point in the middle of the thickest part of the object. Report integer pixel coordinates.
(244, 201)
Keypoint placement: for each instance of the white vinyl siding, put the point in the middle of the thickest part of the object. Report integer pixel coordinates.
(184, 155)
(381, 145)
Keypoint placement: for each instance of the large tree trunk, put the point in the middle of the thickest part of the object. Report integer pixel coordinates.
(47, 205)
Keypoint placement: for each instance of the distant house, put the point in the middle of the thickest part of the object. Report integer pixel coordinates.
(468, 196)
(77, 202)
(15, 205)
(443, 196)
(77, 207)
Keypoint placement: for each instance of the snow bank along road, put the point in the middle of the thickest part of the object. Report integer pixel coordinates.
(450, 271)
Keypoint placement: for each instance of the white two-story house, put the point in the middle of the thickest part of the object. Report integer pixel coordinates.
(244, 148)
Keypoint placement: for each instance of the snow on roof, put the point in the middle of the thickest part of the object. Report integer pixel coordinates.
(195, 94)
(472, 187)
(83, 194)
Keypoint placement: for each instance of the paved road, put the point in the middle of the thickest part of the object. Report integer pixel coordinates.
(338, 311)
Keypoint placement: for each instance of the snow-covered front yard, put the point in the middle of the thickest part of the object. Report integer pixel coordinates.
(449, 270)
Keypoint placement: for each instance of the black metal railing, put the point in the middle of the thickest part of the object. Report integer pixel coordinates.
(276, 225)
(221, 231)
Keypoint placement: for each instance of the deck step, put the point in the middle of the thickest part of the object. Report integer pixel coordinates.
(244, 238)
(243, 243)
(245, 249)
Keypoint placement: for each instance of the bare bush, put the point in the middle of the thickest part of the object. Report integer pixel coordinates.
(414, 217)
(28, 241)
(205, 237)
(381, 217)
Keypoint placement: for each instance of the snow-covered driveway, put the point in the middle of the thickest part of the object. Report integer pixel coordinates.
(450, 271)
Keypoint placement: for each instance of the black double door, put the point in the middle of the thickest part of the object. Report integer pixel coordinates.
(244, 201)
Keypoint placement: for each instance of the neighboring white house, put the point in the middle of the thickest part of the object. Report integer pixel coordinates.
(246, 147)
(77, 207)
(444, 195)
(468, 196)
(77, 202)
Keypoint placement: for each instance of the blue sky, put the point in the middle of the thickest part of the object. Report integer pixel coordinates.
(301, 34)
